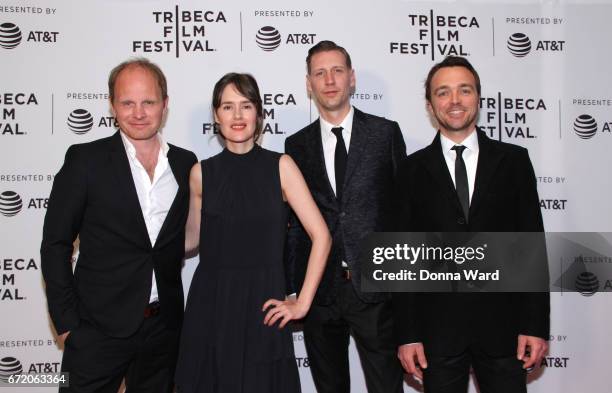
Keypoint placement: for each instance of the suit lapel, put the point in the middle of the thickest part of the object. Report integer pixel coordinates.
(359, 136)
(436, 165)
(315, 147)
(121, 167)
(488, 160)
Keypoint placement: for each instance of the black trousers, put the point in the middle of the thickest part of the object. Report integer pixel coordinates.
(326, 334)
(450, 374)
(99, 363)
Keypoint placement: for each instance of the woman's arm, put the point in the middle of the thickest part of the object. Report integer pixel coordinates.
(297, 194)
(192, 229)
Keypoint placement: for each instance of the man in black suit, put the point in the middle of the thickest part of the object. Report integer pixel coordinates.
(349, 160)
(126, 197)
(466, 182)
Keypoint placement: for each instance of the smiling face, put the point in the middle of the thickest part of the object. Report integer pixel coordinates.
(237, 117)
(138, 104)
(330, 81)
(454, 102)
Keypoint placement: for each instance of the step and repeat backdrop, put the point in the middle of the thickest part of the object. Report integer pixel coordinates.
(546, 85)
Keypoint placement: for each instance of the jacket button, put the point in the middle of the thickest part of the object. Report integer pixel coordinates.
(342, 214)
(461, 221)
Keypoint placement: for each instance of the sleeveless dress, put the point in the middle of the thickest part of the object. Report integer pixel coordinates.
(225, 346)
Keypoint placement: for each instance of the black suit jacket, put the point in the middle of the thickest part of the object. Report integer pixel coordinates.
(94, 197)
(505, 199)
(376, 149)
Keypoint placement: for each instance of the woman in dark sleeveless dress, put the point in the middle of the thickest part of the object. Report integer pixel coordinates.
(232, 339)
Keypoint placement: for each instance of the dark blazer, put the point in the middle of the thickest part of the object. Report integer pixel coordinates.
(94, 197)
(505, 199)
(376, 149)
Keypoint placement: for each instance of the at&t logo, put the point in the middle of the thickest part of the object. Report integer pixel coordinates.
(9, 366)
(81, 121)
(268, 38)
(10, 203)
(585, 126)
(10, 35)
(519, 45)
(587, 283)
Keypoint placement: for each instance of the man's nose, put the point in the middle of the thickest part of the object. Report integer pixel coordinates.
(455, 96)
(139, 111)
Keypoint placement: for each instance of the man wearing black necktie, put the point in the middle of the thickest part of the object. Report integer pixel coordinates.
(466, 182)
(349, 160)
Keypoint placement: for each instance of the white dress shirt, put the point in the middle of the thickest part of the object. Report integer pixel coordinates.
(155, 196)
(470, 157)
(329, 143)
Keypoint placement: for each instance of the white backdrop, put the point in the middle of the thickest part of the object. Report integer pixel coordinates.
(545, 71)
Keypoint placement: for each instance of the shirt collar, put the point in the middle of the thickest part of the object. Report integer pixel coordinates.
(470, 143)
(131, 150)
(346, 124)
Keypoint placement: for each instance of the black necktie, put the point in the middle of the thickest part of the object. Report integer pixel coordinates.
(461, 181)
(339, 160)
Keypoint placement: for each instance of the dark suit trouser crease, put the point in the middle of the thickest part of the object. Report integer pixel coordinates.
(450, 374)
(98, 363)
(326, 333)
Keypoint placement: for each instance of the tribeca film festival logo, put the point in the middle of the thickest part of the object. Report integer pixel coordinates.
(436, 35)
(11, 36)
(8, 114)
(9, 268)
(182, 31)
(10, 203)
(273, 103)
(9, 366)
(519, 45)
(506, 117)
(268, 38)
